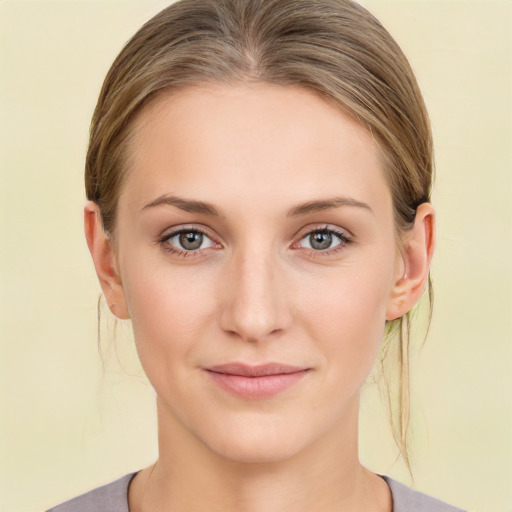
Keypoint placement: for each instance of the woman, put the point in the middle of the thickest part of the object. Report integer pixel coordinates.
(258, 181)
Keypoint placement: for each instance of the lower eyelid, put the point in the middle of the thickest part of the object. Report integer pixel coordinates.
(332, 250)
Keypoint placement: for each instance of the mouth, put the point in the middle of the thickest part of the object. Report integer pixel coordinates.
(256, 382)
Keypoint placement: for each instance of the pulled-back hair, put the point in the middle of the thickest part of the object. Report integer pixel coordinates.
(334, 48)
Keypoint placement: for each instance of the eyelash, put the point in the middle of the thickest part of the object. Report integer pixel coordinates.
(344, 241)
(166, 246)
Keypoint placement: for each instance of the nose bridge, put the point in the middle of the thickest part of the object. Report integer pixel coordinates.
(255, 306)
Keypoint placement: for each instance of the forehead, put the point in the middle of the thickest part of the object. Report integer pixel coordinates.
(253, 142)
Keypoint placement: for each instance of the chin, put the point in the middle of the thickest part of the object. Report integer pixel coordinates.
(253, 442)
(261, 452)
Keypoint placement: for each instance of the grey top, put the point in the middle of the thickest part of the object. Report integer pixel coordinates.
(113, 497)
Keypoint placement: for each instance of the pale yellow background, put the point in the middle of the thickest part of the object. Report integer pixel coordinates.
(67, 425)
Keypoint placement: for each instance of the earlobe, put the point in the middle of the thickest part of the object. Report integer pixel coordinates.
(103, 255)
(412, 276)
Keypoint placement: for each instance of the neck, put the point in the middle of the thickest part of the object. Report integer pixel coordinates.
(325, 476)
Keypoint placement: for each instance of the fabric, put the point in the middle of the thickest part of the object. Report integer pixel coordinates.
(406, 499)
(113, 497)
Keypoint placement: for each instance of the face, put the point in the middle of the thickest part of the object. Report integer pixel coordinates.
(255, 226)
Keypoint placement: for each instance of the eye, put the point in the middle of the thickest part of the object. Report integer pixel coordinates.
(323, 240)
(187, 240)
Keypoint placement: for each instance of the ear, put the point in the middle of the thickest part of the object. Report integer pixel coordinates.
(104, 258)
(413, 268)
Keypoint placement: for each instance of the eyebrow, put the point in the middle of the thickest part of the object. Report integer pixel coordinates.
(190, 205)
(187, 205)
(326, 204)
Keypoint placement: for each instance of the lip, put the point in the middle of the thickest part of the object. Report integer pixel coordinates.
(256, 382)
(247, 370)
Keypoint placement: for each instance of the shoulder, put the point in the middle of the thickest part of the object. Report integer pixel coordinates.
(112, 497)
(408, 500)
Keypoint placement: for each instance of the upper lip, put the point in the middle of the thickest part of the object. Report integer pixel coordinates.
(246, 370)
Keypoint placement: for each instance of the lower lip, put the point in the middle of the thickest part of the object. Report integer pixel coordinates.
(256, 387)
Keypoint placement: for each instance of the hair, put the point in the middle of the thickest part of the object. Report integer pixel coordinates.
(333, 48)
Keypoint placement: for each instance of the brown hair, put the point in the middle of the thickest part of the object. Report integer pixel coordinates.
(334, 48)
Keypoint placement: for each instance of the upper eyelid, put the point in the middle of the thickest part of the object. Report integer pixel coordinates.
(300, 235)
(170, 232)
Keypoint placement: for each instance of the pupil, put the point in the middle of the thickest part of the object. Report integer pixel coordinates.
(320, 241)
(191, 240)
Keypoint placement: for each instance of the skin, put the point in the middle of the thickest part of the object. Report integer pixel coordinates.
(257, 291)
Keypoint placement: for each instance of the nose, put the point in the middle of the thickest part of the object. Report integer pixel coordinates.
(255, 303)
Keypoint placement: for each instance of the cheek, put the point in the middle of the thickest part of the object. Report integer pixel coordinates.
(169, 309)
(345, 314)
